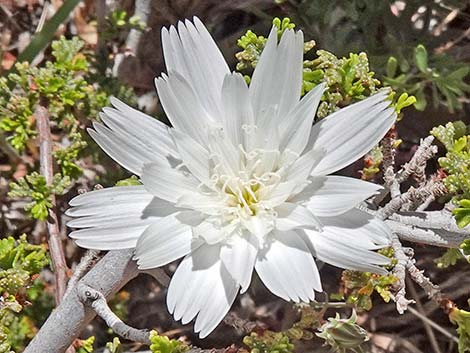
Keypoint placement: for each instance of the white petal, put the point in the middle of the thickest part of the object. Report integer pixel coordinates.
(119, 213)
(333, 195)
(238, 112)
(300, 170)
(109, 238)
(329, 247)
(239, 257)
(277, 79)
(167, 183)
(287, 268)
(117, 194)
(194, 156)
(351, 132)
(226, 154)
(114, 218)
(201, 286)
(211, 234)
(297, 124)
(167, 240)
(291, 215)
(357, 227)
(279, 193)
(258, 225)
(192, 53)
(140, 125)
(208, 204)
(122, 152)
(183, 107)
(132, 138)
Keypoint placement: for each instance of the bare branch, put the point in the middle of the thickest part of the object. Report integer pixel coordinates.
(426, 203)
(66, 322)
(437, 220)
(46, 168)
(142, 10)
(417, 275)
(412, 196)
(417, 165)
(389, 151)
(159, 274)
(399, 271)
(433, 324)
(430, 190)
(84, 265)
(419, 306)
(98, 302)
(434, 237)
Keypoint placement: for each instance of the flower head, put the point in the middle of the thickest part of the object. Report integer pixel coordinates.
(343, 334)
(240, 182)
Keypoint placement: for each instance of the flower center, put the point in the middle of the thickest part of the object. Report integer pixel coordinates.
(244, 197)
(245, 192)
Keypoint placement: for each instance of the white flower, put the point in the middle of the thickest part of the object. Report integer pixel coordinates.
(240, 182)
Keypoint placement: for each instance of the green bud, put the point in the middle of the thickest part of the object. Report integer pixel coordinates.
(343, 334)
(460, 128)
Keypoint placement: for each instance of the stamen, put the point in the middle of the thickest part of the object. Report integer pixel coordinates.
(251, 192)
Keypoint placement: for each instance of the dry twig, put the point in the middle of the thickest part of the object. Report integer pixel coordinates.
(389, 151)
(417, 165)
(98, 302)
(412, 196)
(55, 243)
(142, 10)
(66, 322)
(85, 263)
(420, 315)
(399, 271)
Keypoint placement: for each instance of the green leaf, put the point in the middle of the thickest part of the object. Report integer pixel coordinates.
(459, 74)
(114, 346)
(421, 102)
(131, 181)
(449, 258)
(462, 213)
(461, 318)
(421, 58)
(86, 346)
(392, 65)
(162, 344)
(460, 144)
(404, 101)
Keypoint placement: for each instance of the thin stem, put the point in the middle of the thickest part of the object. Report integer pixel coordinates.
(55, 244)
(142, 10)
(433, 324)
(399, 271)
(417, 165)
(427, 326)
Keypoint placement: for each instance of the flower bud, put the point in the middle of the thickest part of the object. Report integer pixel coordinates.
(343, 334)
